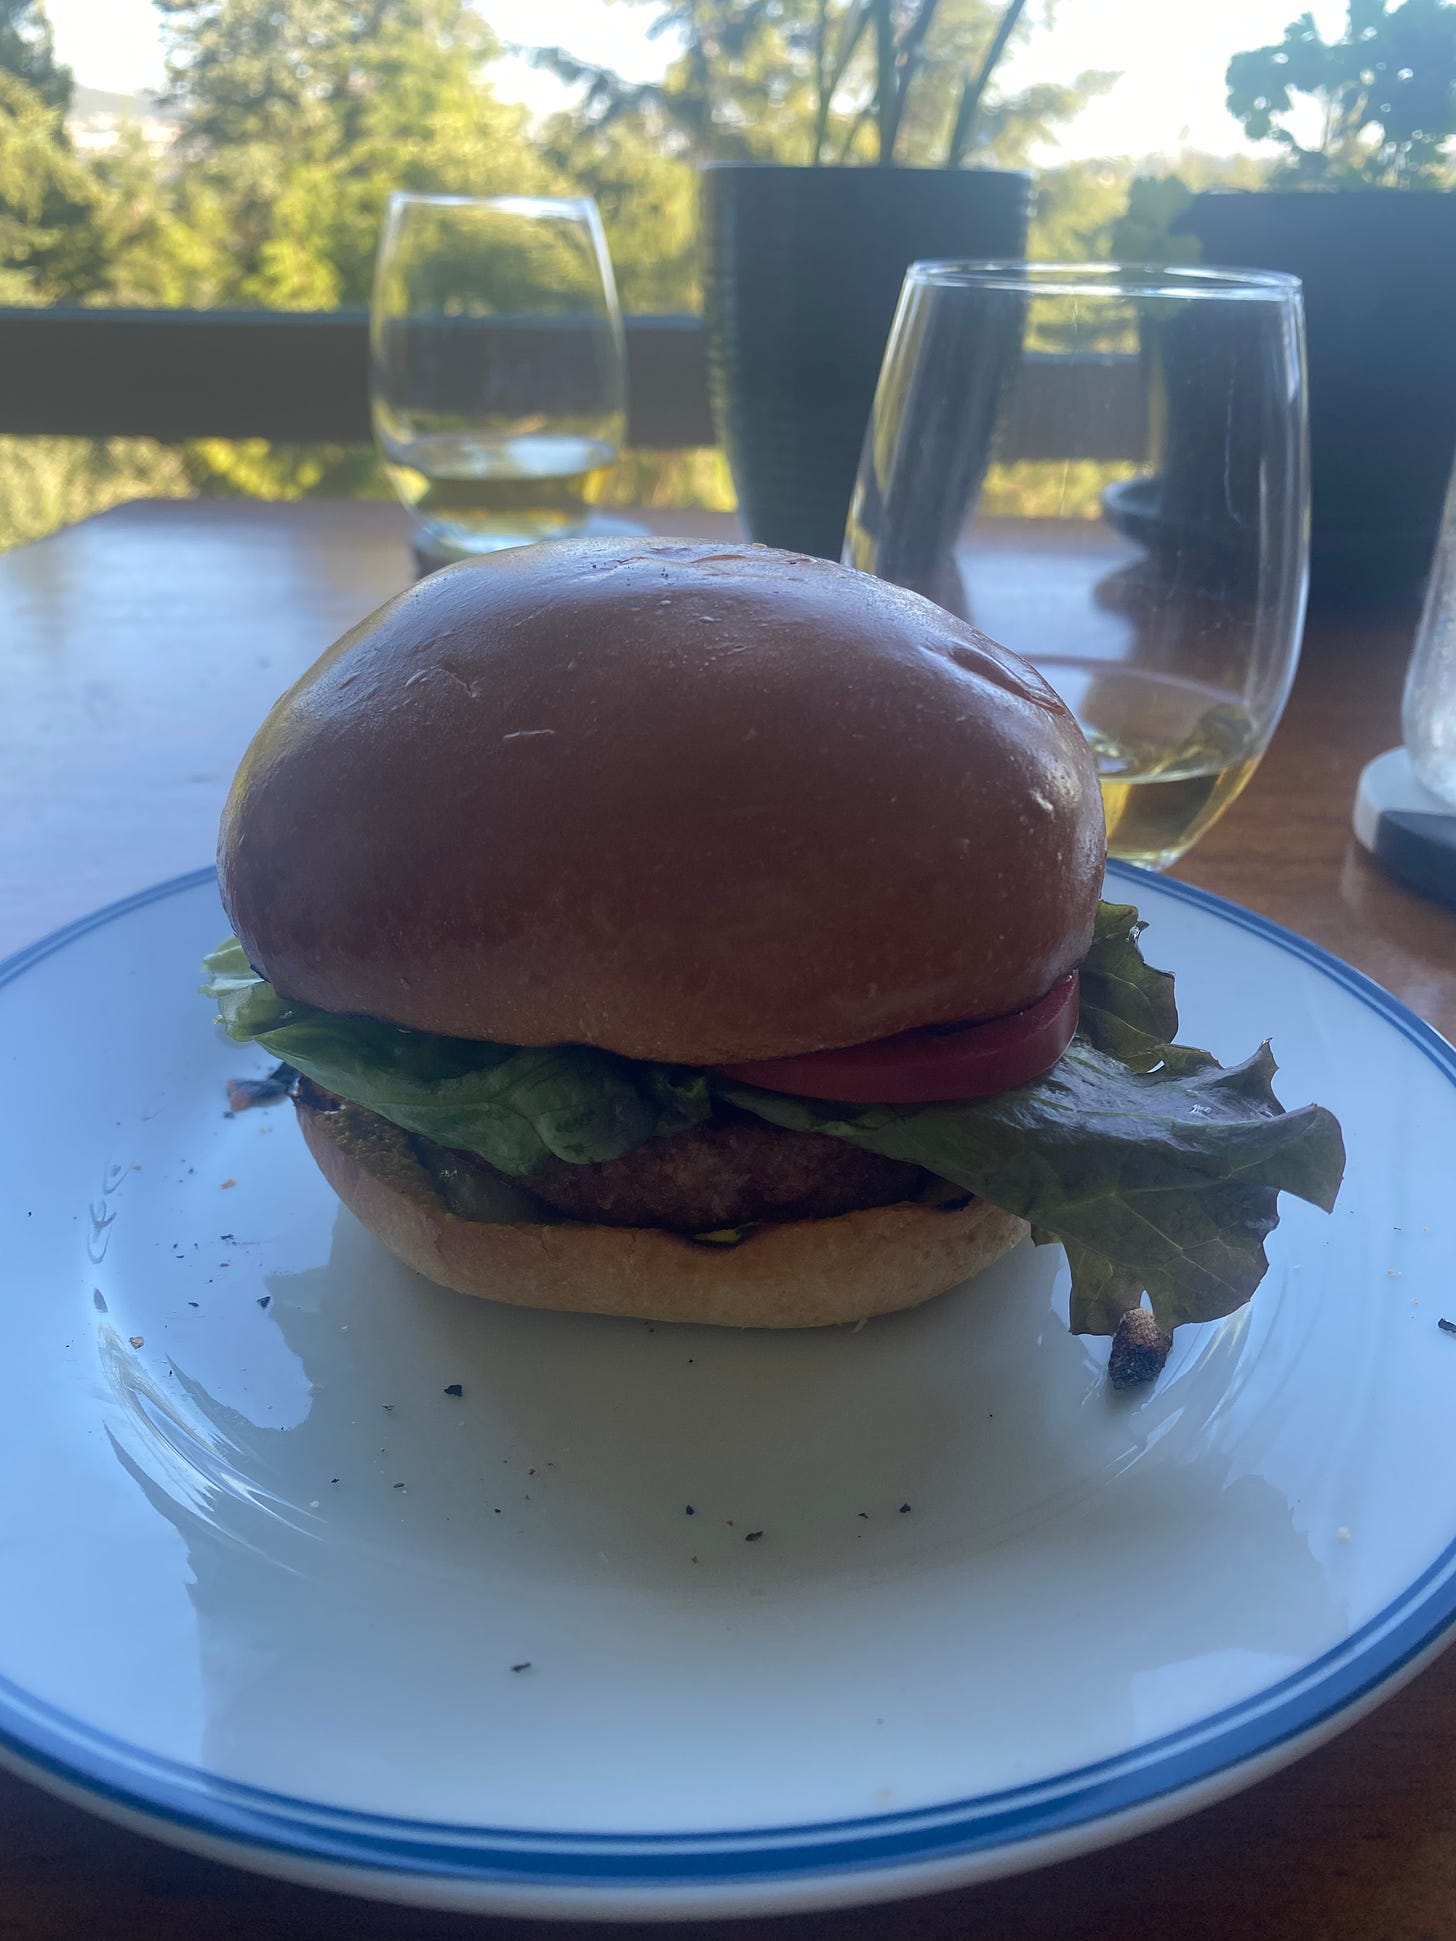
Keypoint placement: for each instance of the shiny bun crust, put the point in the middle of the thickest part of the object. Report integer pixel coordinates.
(798, 1274)
(687, 802)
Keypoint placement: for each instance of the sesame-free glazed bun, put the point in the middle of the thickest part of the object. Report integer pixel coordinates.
(795, 1274)
(688, 802)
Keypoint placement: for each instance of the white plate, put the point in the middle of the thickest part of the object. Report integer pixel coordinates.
(275, 1594)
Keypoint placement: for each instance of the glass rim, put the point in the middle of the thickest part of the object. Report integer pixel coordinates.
(517, 205)
(1106, 279)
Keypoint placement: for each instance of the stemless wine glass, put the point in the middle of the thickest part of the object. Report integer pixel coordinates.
(498, 366)
(1105, 468)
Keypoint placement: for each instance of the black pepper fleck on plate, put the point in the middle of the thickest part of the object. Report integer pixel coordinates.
(264, 1299)
(1446, 1327)
(904, 1509)
(455, 1388)
(525, 1665)
(753, 1536)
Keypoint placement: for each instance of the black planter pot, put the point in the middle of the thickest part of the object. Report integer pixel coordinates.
(1379, 274)
(802, 270)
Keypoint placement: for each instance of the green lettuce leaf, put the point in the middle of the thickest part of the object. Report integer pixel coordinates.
(1127, 1007)
(515, 1106)
(1164, 1181)
(1101, 1292)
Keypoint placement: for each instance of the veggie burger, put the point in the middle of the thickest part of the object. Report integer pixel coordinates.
(706, 933)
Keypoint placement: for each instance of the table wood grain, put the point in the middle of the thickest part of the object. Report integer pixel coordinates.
(137, 653)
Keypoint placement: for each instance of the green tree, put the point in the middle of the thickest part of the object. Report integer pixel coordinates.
(28, 51)
(45, 201)
(51, 250)
(1075, 210)
(300, 117)
(162, 242)
(647, 191)
(954, 107)
(738, 91)
(47, 249)
(784, 80)
(1386, 89)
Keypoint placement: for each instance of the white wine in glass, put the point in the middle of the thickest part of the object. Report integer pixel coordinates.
(1171, 754)
(498, 367)
(479, 493)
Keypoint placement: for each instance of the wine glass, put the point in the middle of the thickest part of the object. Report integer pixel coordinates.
(498, 367)
(1105, 468)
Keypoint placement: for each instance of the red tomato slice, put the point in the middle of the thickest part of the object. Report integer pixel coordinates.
(958, 1061)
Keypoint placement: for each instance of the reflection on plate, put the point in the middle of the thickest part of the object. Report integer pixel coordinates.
(511, 1648)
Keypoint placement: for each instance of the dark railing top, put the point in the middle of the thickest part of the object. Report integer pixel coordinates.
(303, 377)
(299, 376)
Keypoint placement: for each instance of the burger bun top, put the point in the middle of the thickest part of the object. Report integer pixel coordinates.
(688, 802)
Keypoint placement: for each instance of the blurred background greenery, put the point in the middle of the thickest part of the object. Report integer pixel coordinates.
(257, 180)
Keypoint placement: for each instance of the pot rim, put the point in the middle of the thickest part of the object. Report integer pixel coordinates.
(872, 169)
(1347, 192)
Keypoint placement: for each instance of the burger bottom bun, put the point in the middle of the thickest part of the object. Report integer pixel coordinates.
(790, 1274)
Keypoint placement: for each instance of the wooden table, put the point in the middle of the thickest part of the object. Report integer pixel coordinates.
(137, 653)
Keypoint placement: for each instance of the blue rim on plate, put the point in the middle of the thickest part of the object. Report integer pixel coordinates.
(187, 1800)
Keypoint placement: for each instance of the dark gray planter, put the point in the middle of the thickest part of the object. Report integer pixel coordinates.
(801, 271)
(1379, 274)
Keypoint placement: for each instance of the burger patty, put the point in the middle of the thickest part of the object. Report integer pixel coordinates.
(732, 1170)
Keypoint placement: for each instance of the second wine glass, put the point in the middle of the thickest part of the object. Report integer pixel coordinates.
(498, 366)
(1106, 469)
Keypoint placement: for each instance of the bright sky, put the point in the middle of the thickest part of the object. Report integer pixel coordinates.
(1171, 55)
